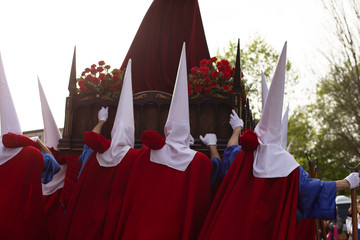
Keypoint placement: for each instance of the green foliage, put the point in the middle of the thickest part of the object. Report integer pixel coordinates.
(301, 132)
(337, 108)
(257, 56)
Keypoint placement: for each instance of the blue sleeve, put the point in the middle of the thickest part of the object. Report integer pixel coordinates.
(316, 198)
(229, 155)
(84, 157)
(216, 170)
(51, 167)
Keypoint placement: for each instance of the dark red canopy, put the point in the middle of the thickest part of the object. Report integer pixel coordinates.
(155, 50)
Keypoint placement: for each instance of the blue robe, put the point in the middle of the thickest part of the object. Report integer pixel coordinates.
(84, 157)
(51, 167)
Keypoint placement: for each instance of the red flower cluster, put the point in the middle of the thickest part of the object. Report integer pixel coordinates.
(212, 77)
(100, 80)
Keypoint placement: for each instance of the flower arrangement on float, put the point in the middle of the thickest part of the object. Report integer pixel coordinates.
(212, 77)
(99, 80)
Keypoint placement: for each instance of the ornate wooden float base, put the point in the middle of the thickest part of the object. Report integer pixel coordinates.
(207, 115)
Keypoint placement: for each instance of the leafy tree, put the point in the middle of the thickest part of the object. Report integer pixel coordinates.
(257, 56)
(337, 107)
(300, 134)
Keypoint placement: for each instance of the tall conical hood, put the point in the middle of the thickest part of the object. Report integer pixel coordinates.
(176, 153)
(284, 127)
(9, 120)
(264, 90)
(271, 159)
(123, 131)
(51, 131)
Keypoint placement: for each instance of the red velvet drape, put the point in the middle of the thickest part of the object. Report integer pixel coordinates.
(155, 50)
(246, 207)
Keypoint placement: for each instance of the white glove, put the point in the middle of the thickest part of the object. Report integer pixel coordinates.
(353, 179)
(103, 114)
(192, 141)
(235, 121)
(209, 139)
(34, 138)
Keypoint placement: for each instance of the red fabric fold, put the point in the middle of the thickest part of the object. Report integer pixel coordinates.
(156, 48)
(96, 141)
(54, 209)
(12, 140)
(306, 229)
(152, 139)
(163, 203)
(53, 212)
(72, 172)
(97, 194)
(249, 140)
(21, 206)
(246, 207)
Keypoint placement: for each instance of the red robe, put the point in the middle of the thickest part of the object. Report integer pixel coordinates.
(97, 191)
(306, 229)
(22, 214)
(55, 203)
(163, 203)
(246, 207)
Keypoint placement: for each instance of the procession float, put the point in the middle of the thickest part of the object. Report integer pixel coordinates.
(215, 87)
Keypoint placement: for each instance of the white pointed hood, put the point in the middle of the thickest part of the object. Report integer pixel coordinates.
(270, 158)
(284, 127)
(176, 152)
(51, 139)
(264, 90)
(123, 131)
(51, 131)
(9, 120)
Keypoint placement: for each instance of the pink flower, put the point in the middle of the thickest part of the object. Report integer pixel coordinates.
(189, 86)
(207, 80)
(204, 70)
(226, 74)
(93, 71)
(213, 59)
(83, 88)
(225, 87)
(204, 62)
(221, 68)
(194, 70)
(207, 90)
(95, 80)
(81, 82)
(102, 76)
(215, 74)
(191, 93)
(101, 63)
(198, 89)
(88, 78)
(213, 85)
(115, 78)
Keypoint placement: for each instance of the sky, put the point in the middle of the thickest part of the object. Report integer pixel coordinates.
(37, 39)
